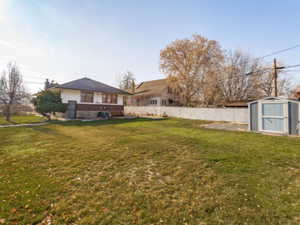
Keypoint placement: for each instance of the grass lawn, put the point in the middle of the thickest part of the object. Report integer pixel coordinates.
(147, 172)
(22, 119)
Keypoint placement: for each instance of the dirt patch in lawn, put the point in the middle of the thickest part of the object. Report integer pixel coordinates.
(226, 126)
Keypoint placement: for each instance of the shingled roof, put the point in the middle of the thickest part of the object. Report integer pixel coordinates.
(88, 84)
(153, 87)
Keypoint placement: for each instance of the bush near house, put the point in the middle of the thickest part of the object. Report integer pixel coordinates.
(147, 172)
(48, 102)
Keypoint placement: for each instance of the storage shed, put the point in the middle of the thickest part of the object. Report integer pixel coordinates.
(274, 115)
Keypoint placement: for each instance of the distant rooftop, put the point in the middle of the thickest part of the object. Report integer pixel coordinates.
(152, 87)
(88, 84)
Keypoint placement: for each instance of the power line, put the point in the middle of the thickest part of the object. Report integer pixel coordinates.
(33, 82)
(279, 51)
(292, 66)
(282, 68)
(258, 71)
(42, 79)
(35, 77)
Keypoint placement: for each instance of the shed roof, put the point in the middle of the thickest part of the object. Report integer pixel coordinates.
(280, 98)
(88, 84)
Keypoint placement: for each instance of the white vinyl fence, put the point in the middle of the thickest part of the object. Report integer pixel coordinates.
(237, 115)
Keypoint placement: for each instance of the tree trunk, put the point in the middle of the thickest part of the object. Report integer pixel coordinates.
(7, 112)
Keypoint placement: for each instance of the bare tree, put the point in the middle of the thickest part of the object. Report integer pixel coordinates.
(266, 83)
(234, 83)
(285, 86)
(127, 81)
(190, 64)
(11, 88)
(244, 78)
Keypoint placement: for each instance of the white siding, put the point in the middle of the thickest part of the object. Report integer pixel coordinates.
(74, 95)
(70, 95)
(120, 100)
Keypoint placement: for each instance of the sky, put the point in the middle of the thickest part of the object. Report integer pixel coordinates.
(65, 40)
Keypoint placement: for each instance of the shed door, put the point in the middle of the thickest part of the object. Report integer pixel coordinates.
(293, 118)
(273, 117)
(254, 117)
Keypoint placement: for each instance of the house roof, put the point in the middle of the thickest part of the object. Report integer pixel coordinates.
(237, 103)
(88, 84)
(153, 87)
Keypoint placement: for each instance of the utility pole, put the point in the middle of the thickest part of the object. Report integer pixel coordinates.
(275, 77)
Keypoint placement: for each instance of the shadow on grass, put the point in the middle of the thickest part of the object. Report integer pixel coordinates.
(104, 122)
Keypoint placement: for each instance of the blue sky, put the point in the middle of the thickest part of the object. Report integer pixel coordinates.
(68, 39)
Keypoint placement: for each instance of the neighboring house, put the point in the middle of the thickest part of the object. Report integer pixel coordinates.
(87, 98)
(155, 93)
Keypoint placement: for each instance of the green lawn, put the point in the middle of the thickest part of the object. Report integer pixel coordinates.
(147, 172)
(22, 119)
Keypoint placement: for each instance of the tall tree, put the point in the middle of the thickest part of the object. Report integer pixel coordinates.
(267, 86)
(191, 65)
(49, 84)
(285, 86)
(234, 83)
(244, 78)
(12, 90)
(127, 81)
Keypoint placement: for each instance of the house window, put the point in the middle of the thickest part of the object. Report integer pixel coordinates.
(164, 102)
(125, 100)
(114, 99)
(110, 98)
(87, 96)
(153, 102)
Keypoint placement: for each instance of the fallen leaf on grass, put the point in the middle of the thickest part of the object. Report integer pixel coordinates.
(13, 210)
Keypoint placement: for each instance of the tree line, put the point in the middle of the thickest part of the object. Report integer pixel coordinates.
(198, 71)
(201, 73)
